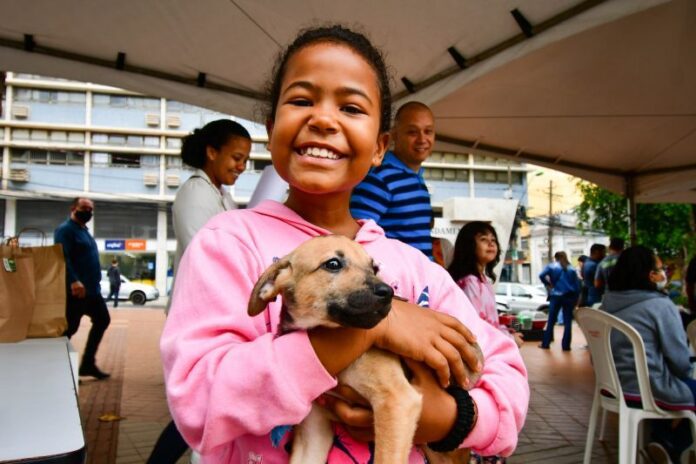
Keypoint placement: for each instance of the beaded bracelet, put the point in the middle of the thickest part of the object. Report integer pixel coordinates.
(466, 418)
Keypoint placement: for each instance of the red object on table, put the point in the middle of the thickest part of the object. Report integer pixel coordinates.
(506, 319)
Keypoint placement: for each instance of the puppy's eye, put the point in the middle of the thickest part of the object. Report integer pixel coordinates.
(333, 265)
(375, 268)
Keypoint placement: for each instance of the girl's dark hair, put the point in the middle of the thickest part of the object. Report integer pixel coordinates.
(342, 36)
(632, 270)
(214, 134)
(464, 261)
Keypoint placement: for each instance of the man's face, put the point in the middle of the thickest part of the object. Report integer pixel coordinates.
(84, 206)
(414, 137)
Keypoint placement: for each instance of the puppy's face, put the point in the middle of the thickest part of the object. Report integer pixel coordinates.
(327, 281)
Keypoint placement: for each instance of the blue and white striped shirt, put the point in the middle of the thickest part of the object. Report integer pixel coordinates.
(397, 199)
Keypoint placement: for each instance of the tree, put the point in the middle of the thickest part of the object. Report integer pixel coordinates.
(668, 227)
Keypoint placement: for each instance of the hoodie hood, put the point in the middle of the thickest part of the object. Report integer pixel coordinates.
(615, 302)
(369, 230)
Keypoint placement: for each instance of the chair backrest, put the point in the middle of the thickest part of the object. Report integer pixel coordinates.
(691, 334)
(597, 326)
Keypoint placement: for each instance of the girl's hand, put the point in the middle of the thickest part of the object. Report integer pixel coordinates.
(439, 407)
(437, 339)
(519, 338)
(351, 410)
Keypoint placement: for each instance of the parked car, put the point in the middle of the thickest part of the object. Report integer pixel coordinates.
(137, 293)
(512, 298)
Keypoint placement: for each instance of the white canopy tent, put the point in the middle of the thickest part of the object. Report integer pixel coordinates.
(605, 90)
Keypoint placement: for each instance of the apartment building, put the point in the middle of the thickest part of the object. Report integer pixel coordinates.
(60, 139)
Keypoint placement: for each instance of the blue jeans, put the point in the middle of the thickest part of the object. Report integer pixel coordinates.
(566, 303)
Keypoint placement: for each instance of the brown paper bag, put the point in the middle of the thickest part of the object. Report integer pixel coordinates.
(48, 319)
(17, 293)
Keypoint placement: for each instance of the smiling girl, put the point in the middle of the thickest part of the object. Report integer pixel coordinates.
(231, 379)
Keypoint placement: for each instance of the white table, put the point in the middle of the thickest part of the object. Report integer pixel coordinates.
(39, 413)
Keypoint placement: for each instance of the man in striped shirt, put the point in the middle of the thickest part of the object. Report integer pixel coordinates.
(394, 194)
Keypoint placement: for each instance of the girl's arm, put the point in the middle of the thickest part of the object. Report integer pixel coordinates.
(501, 396)
(502, 393)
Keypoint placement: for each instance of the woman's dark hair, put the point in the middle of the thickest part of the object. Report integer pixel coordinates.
(632, 270)
(342, 36)
(464, 261)
(214, 134)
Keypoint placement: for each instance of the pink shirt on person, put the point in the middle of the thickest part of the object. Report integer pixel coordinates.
(482, 297)
(231, 380)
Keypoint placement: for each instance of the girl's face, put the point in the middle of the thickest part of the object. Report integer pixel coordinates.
(225, 165)
(486, 248)
(325, 135)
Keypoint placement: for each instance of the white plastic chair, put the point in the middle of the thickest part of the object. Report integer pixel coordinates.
(597, 327)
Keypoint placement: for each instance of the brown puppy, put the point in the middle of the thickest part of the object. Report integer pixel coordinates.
(331, 281)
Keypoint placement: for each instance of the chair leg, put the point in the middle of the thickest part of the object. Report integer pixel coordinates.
(628, 435)
(603, 426)
(591, 427)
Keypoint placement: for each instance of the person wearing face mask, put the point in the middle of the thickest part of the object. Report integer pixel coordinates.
(636, 296)
(219, 151)
(83, 274)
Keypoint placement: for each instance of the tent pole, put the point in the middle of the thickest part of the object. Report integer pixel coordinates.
(632, 210)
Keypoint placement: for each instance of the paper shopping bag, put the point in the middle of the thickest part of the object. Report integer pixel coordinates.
(17, 293)
(48, 319)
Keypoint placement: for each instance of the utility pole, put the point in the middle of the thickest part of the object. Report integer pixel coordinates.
(551, 221)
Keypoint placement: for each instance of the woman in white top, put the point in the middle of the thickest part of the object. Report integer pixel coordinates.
(219, 152)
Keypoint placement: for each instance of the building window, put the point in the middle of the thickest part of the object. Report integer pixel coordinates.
(173, 162)
(173, 143)
(118, 100)
(117, 139)
(125, 220)
(259, 148)
(48, 96)
(498, 177)
(259, 165)
(20, 134)
(100, 139)
(494, 161)
(134, 140)
(150, 141)
(54, 157)
(150, 161)
(123, 160)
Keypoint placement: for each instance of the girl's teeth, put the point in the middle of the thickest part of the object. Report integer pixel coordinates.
(319, 153)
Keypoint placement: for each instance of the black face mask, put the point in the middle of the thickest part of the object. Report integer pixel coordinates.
(83, 216)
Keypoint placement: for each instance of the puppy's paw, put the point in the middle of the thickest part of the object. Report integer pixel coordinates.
(471, 375)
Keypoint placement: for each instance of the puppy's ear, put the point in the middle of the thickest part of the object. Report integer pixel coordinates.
(269, 285)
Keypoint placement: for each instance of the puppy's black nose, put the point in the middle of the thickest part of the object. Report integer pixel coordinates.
(383, 291)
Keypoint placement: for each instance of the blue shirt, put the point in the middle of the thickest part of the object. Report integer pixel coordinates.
(81, 256)
(604, 269)
(589, 269)
(564, 282)
(396, 198)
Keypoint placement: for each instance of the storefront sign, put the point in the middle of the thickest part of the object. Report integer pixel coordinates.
(135, 245)
(114, 244)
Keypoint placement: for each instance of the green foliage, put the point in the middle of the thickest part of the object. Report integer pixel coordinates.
(665, 227)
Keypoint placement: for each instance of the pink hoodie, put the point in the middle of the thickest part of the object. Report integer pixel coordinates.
(230, 380)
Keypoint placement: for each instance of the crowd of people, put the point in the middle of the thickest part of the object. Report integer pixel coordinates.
(231, 379)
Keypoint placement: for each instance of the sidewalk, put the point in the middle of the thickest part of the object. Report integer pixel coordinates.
(561, 384)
